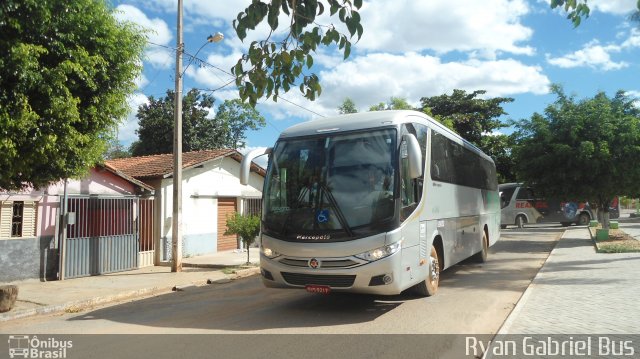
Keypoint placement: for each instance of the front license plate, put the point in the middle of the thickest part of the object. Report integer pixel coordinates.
(322, 289)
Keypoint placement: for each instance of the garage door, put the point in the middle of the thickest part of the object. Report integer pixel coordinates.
(226, 207)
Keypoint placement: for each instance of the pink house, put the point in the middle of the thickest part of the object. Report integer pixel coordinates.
(30, 234)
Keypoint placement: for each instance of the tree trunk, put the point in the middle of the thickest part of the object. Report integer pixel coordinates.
(248, 255)
(604, 207)
(605, 218)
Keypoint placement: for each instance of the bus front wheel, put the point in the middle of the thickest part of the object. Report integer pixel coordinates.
(429, 286)
(520, 221)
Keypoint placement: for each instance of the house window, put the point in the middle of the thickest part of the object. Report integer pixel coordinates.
(252, 206)
(17, 218)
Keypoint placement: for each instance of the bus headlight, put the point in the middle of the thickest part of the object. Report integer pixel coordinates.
(269, 253)
(379, 253)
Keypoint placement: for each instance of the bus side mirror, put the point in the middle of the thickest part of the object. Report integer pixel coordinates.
(411, 149)
(245, 165)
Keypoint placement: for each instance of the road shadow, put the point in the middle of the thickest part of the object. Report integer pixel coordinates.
(246, 305)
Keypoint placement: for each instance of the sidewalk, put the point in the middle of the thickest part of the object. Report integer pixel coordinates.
(73, 295)
(579, 291)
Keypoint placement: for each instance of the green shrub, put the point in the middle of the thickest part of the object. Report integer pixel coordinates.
(247, 227)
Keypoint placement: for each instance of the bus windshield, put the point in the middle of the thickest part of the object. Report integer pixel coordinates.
(328, 188)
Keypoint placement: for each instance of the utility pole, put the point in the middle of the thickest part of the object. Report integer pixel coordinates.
(176, 220)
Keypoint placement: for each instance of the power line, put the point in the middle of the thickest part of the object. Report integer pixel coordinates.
(205, 63)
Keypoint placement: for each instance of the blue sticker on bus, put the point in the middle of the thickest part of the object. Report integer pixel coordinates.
(323, 216)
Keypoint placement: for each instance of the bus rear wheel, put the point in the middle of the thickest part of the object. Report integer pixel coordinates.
(584, 219)
(481, 257)
(429, 286)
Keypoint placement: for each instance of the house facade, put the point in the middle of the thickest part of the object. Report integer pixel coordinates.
(30, 231)
(211, 191)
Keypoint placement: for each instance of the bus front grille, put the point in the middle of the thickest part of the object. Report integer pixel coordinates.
(336, 281)
(333, 263)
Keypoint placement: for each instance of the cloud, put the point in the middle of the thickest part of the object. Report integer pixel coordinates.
(127, 130)
(489, 26)
(615, 7)
(633, 40)
(592, 55)
(375, 78)
(157, 32)
(464, 25)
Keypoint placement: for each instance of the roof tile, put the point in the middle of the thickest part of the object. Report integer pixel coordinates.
(160, 165)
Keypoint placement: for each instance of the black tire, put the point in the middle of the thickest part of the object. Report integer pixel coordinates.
(481, 257)
(503, 226)
(429, 286)
(565, 224)
(583, 219)
(521, 221)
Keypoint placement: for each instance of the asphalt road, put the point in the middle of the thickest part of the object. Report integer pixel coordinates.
(473, 299)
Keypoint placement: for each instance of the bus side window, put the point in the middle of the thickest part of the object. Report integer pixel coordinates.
(525, 193)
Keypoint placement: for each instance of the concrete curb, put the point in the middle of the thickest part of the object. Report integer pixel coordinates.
(210, 266)
(207, 265)
(243, 273)
(81, 305)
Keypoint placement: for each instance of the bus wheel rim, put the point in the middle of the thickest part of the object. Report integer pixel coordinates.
(435, 270)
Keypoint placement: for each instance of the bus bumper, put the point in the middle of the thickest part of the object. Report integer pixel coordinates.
(382, 277)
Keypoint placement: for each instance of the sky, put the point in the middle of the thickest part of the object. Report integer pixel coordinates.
(409, 49)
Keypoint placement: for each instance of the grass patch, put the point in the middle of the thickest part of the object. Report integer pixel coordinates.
(618, 242)
(230, 270)
(73, 309)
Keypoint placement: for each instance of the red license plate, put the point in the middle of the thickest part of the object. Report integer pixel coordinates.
(322, 289)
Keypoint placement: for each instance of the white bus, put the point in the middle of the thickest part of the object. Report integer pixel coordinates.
(375, 202)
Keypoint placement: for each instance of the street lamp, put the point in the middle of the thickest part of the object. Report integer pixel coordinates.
(176, 220)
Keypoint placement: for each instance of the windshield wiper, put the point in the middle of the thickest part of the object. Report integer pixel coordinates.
(339, 214)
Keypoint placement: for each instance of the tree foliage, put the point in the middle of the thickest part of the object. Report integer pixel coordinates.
(578, 9)
(200, 130)
(115, 149)
(247, 227)
(471, 117)
(66, 68)
(581, 149)
(347, 106)
(477, 121)
(273, 65)
(395, 103)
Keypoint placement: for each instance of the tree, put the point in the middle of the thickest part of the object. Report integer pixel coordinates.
(578, 9)
(115, 149)
(581, 149)
(200, 131)
(477, 121)
(348, 106)
(274, 65)
(235, 117)
(247, 227)
(66, 69)
(395, 103)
